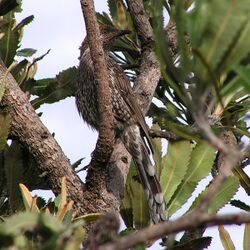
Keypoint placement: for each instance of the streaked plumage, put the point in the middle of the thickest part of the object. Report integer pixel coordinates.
(131, 126)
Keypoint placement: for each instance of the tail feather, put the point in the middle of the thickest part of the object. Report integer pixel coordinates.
(147, 172)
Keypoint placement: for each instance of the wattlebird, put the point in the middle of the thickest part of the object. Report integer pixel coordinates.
(131, 126)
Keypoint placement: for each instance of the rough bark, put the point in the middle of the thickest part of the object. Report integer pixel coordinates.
(27, 126)
(105, 186)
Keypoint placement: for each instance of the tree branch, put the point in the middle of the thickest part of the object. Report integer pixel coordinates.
(27, 126)
(106, 137)
(105, 187)
(188, 222)
(150, 73)
(104, 183)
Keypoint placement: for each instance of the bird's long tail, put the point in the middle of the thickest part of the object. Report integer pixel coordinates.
(136, 146)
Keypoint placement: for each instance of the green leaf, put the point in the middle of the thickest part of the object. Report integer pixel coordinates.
(222, 197)
(19, 71)
(243, 178)
(135, 200)
(157, 146)
(128, 231)
(113, 9)
(53, 90)
(89, 217)
(225, 239)
(28, 199)
(26, 52)
(2, 88)
(244, 73)
(9, 42)
(239, 48)
(218, 29)
(77, 163)
(14, 170)
(240, 204)
(16, 223)
(246, 242)
(174, 166)
(169, 71)
(126, 210)
(76, 239)
(232, 88)
(27, 20)
(4, 129)
(104, 18)
(180, 19)
(201, 162)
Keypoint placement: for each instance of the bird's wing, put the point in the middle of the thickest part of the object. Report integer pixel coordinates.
(126, 91)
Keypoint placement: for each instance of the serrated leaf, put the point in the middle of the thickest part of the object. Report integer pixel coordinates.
(225, 239)
(4, 129)
(240, 204)
(26, 52)
(201, 162)
(52, 90)
(113, 9)
(222, 197)
(225, 194)
(218, 29)
(243, 178)
(174, 166)
(246, 241)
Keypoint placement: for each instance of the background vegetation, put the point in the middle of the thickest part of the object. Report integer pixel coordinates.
(200, 107)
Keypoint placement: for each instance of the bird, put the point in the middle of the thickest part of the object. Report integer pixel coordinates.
(131, 127)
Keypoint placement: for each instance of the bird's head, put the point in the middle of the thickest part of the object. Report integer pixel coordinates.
(109, 34)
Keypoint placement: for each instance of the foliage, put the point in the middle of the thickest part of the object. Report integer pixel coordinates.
(207, 79)
(16, 161)
(227, 241)
(208, 76)
(43, 226)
